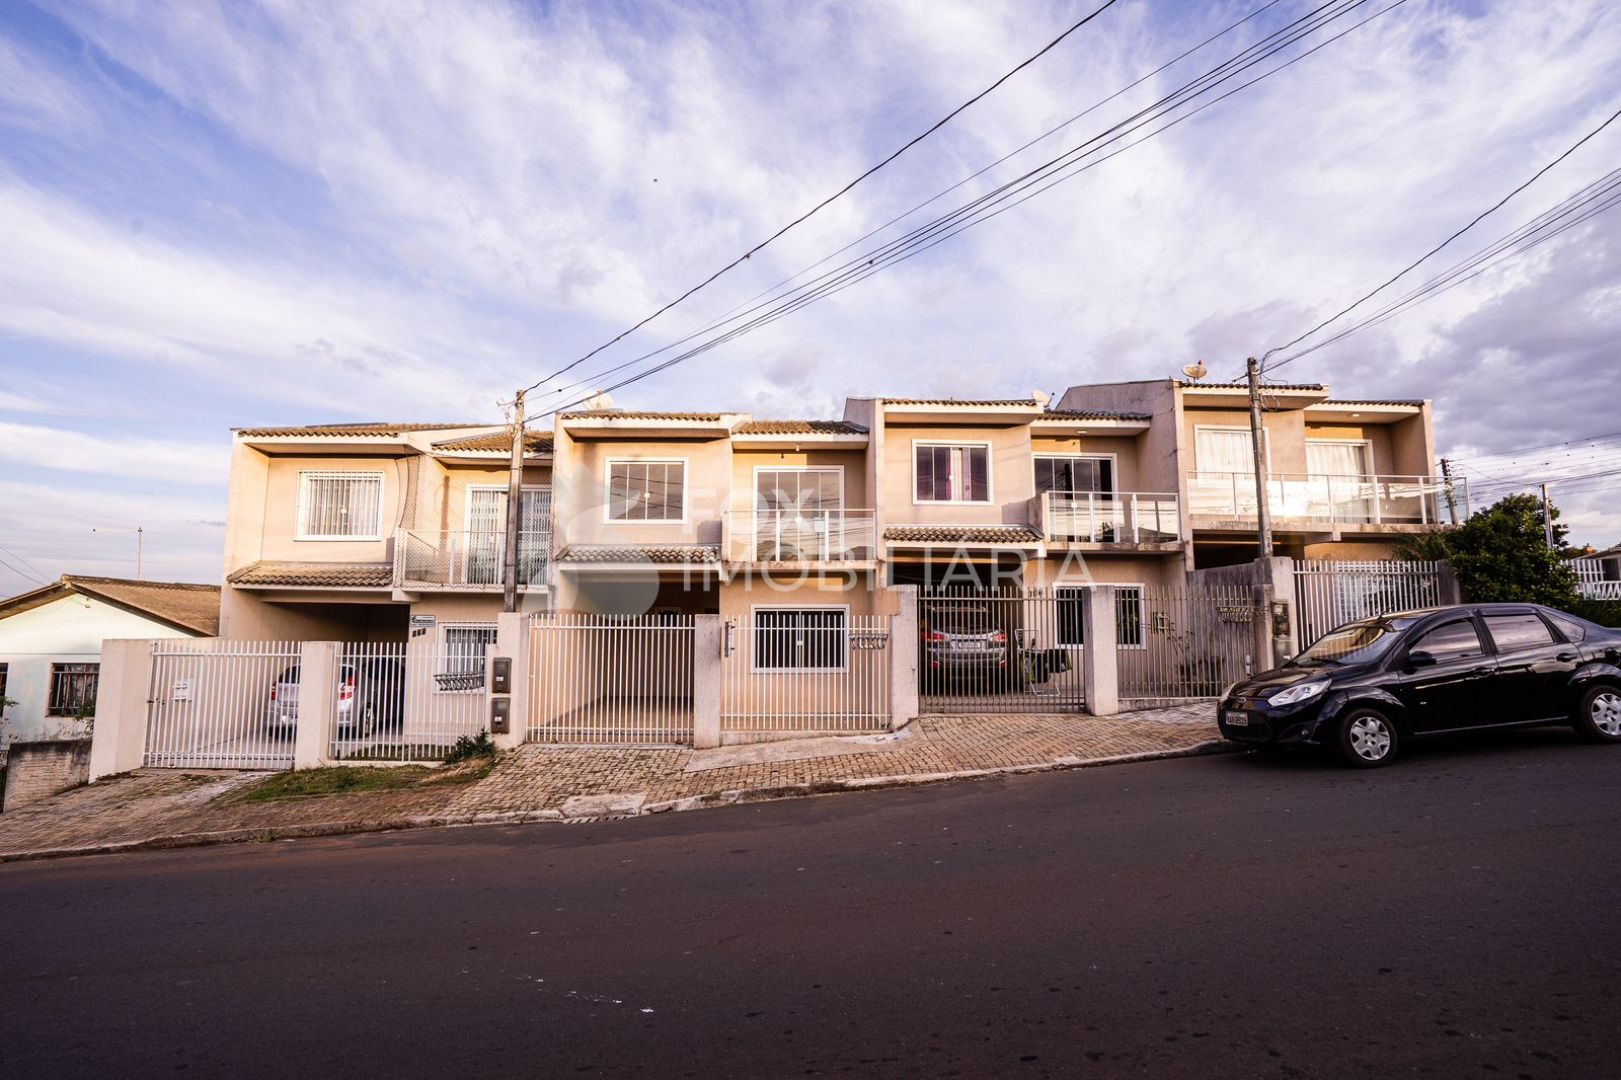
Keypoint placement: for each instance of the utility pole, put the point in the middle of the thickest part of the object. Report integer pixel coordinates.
(1452, 502)
(509, 565)
(140, 547)
(1547, 517)
(1258, 448)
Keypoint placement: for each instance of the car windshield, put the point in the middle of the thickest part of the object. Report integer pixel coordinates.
(962, 620)
(1353, 643)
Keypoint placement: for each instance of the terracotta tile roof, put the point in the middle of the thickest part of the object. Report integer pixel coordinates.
(1092, 414)
(534, 442)
(1029, 403)
(676, 554)
(1245, 386)
(1415, 402)
(800, 427)
(625, 414)
(963, 534)
(380, 429)
(179, 604)
(322, 575)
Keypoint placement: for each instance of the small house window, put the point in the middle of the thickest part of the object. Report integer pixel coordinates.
(340, 506)
(73, 690)
(1074, 475)
(951, 472)
(799, 639)
(462, 656)
(647, 490)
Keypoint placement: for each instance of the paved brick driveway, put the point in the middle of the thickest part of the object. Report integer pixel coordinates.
(540, 782)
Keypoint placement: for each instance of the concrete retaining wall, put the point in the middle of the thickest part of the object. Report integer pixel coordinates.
(38, 770)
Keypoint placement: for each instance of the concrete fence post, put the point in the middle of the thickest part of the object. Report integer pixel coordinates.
(123, 704)
(1100, 655)
(317, 703)
(1446, 585)
(707, 641)
(1262, 645)
(903, 658)
(512, 643)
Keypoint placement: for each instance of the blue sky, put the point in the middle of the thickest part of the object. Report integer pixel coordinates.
(230, 214)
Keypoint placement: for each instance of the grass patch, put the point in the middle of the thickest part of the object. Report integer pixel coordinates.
(353, 780)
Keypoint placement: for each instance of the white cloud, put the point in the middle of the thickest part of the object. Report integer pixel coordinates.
(149, 459)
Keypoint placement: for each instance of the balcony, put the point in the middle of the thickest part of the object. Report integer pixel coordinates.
(1330, 500)
(799, 535)
(1108, 517)
(467, 561)
(1595, 580)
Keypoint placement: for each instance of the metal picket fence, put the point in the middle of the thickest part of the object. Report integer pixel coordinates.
(1014, 651)
(806, 669)
(611, 679)
(1329, 593)
(222, 704)
(407, 701)
(1176, 644)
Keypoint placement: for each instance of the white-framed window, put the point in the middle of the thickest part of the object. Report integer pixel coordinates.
(801, 638)
(335, 505)
(462, 651)
(647, 490)
(1075, 474)
(1128, 616)
(951, 472)
(1339, 457)
(1224, 449)
(810, 488)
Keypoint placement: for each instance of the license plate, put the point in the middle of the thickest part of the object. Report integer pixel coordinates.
(1236, 719)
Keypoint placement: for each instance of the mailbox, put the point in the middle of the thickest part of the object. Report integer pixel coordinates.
(500, 715)
(501, 675)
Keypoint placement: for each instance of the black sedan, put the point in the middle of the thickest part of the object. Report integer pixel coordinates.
(1367, 686)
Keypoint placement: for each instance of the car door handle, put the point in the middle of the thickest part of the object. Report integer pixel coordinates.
(1565, 657)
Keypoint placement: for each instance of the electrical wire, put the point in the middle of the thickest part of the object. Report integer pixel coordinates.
(1432, 251)
(958, 220)
(936, 126)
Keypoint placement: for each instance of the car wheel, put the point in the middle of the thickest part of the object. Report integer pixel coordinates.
(1367, 739)
(1598, 716)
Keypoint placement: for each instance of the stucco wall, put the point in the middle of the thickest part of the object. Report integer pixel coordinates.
(1012, 479)
(68, 630)
(581, 490)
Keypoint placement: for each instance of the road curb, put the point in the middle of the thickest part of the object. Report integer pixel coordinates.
(730, 797)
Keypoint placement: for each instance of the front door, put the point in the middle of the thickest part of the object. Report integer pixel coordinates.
(1532, 668)
(1452, 690)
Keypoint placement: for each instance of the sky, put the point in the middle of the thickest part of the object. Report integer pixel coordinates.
(235, 214)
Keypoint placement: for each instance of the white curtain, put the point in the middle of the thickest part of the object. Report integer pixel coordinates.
(1223, 450)
(1337, 459)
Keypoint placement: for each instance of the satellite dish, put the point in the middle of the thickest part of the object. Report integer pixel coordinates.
(1195, 370)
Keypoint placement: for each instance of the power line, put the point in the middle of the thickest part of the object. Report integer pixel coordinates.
(974, 212)
(22, 574)
(1542, 446)
(936, 126)
(22, 560)
(1410, 266)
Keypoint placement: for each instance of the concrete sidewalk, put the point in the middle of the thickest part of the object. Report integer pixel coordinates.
(173, 808)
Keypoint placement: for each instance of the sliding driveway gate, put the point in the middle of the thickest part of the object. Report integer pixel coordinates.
(610, 679)
(221, 704)
(1010, 652)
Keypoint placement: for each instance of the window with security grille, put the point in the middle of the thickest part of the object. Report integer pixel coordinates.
(800, 639)
(1128, 615)
(647, 490)
(950, 472)
(73, 690)
(340, 505)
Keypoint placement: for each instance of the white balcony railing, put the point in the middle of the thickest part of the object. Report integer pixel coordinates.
(1338, 500)
(798, 534)
(1119, 517)
(1592, 582)
(466, 559)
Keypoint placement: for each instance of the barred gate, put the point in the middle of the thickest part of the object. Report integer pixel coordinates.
(222, 704)
(610, 678)
(806, 670)
(407, 701)
(1329, 593)
(1175, 644)
(1013, 651)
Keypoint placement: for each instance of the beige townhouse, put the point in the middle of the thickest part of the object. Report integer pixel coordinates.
(358, 532)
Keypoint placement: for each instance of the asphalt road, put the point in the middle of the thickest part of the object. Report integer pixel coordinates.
(1451, 916)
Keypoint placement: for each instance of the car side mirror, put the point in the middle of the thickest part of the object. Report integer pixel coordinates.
(1419, 659)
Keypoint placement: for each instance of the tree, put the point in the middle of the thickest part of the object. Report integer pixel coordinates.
(1501, 555)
